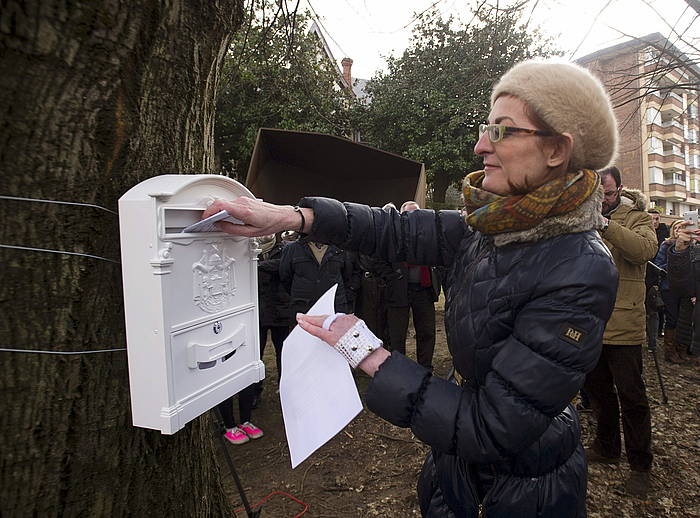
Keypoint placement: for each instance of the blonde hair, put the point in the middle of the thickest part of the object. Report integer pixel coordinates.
(672, 230)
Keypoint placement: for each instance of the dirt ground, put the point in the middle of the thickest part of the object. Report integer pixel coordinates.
(378, 477)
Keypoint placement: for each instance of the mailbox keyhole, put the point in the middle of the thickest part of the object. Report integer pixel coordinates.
(217, 327)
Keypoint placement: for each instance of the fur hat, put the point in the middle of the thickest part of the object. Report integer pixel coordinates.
(571, 100)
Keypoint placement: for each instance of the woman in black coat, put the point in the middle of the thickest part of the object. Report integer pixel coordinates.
(529, 289)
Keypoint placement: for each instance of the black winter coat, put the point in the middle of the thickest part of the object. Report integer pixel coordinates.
(273, 299)
(306, 280)
(524, 325)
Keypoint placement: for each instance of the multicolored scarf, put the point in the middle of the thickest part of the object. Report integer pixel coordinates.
(495, 214)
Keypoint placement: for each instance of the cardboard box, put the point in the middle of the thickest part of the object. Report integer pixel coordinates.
(288, 165)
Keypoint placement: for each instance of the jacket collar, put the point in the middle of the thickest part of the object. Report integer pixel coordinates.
(630, 199)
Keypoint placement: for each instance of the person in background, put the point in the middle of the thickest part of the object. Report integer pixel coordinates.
(371, 306)
(412, 289)
(308, 269)
(671, 298)
(242, 431)
(529, 289)
(616, 385)
(662, 233)
(684, 281)
(273, 302)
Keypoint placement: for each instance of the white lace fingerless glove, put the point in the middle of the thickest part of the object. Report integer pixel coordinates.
(357, 343)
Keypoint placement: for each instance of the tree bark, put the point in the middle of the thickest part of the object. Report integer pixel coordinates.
(441, 181)
(95, 96)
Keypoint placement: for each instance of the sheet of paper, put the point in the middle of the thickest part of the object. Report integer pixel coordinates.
(318, 393)
(207, 224)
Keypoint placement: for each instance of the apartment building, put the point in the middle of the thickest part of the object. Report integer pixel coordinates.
(654, 88)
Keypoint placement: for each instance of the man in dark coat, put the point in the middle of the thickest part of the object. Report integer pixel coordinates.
(653, 279)
(273, 300)
(308, 270)
(415, 289)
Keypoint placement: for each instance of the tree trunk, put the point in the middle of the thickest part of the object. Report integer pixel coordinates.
(95, 96)
(441, 181)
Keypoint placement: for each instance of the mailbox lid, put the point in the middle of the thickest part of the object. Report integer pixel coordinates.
(184, 188)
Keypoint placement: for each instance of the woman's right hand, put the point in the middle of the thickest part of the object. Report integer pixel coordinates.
(685, 236)
(260, 218)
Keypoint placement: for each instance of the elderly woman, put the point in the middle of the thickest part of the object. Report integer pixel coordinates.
(529, 289)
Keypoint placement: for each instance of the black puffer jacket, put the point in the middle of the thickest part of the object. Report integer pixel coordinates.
(306, 280)
(524, 324)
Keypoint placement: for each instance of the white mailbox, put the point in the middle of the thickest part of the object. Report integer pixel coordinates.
(190, 301)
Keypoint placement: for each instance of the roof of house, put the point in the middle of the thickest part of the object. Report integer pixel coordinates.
(656, 40)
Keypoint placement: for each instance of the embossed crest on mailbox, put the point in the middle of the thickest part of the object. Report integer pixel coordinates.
(190, 301)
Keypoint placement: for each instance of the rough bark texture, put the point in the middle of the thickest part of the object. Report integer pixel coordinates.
(95, 96)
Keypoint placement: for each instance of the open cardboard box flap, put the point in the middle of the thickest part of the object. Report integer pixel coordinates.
(288, 165)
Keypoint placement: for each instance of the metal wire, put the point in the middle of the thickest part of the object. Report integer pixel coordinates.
(40, 351)
(15, 247)
(16, 198)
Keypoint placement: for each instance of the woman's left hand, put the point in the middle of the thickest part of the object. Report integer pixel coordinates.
(314, 326)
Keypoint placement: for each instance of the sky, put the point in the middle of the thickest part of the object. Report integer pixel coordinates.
(367, 30)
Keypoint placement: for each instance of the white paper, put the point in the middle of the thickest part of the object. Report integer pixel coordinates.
(207, 224)
(318, 393)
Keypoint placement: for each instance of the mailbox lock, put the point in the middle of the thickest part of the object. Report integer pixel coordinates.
(217, 327)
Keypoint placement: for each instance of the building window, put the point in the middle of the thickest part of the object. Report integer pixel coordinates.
(693, 111)
(692, 136)
(653, 116)
(656, 175)
(655, 145)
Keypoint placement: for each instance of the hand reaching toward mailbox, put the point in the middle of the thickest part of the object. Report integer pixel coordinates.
(260, 218)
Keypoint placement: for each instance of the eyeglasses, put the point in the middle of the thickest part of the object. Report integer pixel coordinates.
(497, 132)
(612, 194)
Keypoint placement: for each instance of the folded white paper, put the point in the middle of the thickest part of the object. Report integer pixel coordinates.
(317, 391)
(207, 224)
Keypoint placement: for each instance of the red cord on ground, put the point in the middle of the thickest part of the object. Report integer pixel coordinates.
(306, 506)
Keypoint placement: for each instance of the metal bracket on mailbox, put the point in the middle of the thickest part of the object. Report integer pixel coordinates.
(205, 355)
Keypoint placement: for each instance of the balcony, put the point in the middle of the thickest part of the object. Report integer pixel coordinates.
(670, 130)
(670, 104)
(668, 161)
(668, 191)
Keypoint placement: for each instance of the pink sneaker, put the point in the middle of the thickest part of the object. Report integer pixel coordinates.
(251, 430)
(236, 436)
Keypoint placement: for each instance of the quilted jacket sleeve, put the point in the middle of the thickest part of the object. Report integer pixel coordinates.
(423, 237)
(635, 240)
(536, 371)
(679, 272)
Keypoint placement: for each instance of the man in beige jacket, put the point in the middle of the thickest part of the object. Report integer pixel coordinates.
(616, 383)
